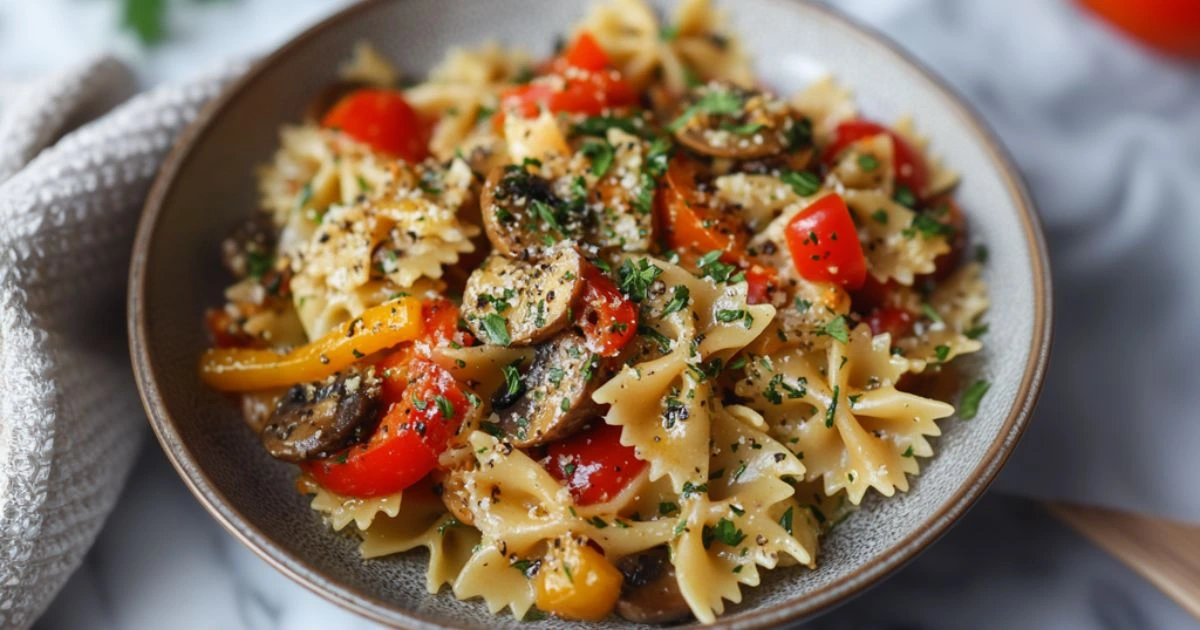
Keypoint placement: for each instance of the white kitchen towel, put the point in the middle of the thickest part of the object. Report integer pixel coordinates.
(70, 422)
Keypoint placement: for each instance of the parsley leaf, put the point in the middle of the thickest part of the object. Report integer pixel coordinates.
(868, 162)
(714, 102)
(786, 521)
(968, 405)
(831, 412)
(512, 379)
(724, 532)
(803, 183)
(444, 406)
(601, 155)
(496, 328)
(634, 279)
(837, 329)
(678, 301)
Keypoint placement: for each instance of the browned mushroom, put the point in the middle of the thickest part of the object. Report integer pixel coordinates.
(329, 96)
(314, 420)
(650, 593)
(522, 215)
(555, 394)
(247, 250)
(726, 121)
(517, 302)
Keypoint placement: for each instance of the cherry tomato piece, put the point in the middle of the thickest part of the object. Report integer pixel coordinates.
(608, 318)
(594, 464)
(383, 120)
(586, 53)
(586, 85)
(405, 447)
(908, 164)
(824, 244)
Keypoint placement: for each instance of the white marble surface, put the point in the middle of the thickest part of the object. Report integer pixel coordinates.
(162, 562)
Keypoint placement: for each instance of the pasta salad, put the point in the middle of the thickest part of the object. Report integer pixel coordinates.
(611, 332)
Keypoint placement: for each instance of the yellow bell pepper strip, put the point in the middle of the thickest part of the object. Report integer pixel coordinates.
(379, 328)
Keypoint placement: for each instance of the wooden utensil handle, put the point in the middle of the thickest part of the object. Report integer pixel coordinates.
(1164, 552)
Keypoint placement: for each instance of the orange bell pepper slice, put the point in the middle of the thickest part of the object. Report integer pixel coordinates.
(379, 328)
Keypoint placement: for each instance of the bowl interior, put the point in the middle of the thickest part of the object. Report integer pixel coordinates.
(210, 186)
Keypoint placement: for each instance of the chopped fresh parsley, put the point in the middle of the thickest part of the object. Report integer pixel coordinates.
(714, 102)
(804, 183)
(942, 352)
(837, 329)
(634, 279)
(667, 508)
(600, 153)
(690, 488)
(880, 216)
(905, 197)
(711, 266)
(930, 227)
(786, 520)
(968, 405)
(444, 406)
(747, 129)
(930, 312)
(908, 452)
(496, 328)
(831, 411)
(512, 379)
(976, 331)
(724, 532)
(258, 264)
(868, 162)
(678, 301)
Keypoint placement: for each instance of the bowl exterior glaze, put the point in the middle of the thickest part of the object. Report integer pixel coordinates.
(207, 185)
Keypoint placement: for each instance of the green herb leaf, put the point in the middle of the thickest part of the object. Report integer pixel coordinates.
(512, 379)
(444, 406)
(880, 216)
(600, 153)
(904, 196)
(968, 405)
(147, 19)
(837, 329)
(714, 102)
(976, 331)
(942, 352)
(724, 532)
(667, 508)
(634, 279)
(496, 328)
(831, 411)
(786, 521)
(868, 162)
(678, 301)
(804, 183)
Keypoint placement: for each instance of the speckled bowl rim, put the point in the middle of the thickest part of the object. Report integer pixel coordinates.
(800, 606)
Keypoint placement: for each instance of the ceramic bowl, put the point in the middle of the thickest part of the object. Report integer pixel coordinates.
(207, 185)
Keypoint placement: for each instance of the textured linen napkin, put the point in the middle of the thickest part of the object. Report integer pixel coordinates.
(70, 422)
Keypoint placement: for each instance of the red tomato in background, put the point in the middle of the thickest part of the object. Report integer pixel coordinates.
(824, 244)
(594, 464)
(407, 443)
(1169, 26)
(383, 120)
(908, 166)
(585, 84)
(608, 318)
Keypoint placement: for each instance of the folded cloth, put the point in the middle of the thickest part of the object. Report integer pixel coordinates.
(70, 422)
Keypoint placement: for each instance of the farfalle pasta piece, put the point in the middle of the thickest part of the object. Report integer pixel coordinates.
(340, 511)
(696, 46)
(490, 575)
(895, 245)
(744, 520)
(388, 243)
(841, 409)
(958, 301)
(941, 179)
(826, 104)
(313, 169)
(423, 523)
(713, 322)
